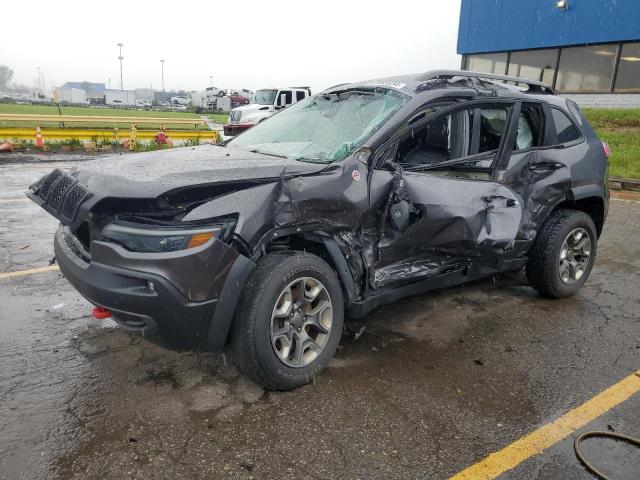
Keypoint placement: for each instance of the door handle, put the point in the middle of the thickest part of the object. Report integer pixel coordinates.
(545, 166)
(509, 202)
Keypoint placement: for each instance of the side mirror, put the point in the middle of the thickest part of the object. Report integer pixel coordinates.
(282, 102)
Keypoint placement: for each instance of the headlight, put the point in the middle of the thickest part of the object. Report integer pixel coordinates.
(161, 239)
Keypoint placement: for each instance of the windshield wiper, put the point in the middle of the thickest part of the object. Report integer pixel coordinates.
(312, 160)
(270, 154)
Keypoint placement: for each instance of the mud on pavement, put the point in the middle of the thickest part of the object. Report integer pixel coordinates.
(433, 384)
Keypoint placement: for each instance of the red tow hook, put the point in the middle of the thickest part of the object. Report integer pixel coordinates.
(100, 313)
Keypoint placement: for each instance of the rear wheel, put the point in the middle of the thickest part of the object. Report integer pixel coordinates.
(289, 323)
(563, 254)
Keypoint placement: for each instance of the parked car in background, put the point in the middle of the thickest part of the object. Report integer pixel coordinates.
(180, 100)
(238, 101)
(143, 103)
(218, 92)
(266, 102)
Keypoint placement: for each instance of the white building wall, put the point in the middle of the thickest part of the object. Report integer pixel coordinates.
(71, 95)
(605, 100)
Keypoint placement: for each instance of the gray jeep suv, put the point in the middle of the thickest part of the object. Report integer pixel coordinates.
(358, 196)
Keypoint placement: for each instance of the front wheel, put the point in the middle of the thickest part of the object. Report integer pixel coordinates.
(563, 254)
(289, 323)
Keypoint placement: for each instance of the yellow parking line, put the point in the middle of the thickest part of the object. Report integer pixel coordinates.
(21, 273)
(12, 200)
(535, 442)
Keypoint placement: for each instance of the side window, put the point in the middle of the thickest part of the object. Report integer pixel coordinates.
(436, 141)
(299, 96)
(530, 127)
(566, 130)
(524, 138)
(287, 96)
(487, 128)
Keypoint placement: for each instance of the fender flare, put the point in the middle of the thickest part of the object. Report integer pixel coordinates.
(342, 268)
(586, 191)
(227, 302)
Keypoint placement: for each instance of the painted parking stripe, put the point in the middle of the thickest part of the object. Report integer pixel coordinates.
(539, 440)
(21, 273)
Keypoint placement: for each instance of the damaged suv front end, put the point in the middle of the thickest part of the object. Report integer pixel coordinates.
(140, 248)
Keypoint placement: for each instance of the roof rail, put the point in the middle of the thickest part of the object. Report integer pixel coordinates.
(534, 86)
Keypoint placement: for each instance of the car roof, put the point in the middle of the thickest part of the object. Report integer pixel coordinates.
(485, 84)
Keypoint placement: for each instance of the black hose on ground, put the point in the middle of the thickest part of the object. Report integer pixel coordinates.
(587, 464)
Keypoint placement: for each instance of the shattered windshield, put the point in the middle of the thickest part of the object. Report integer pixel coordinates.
(265, 97)
(324, 128)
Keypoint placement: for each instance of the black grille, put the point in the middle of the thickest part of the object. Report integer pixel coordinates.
(59, 190)
(47, 183)
(74, 198)
(36, 186)
(60, 195)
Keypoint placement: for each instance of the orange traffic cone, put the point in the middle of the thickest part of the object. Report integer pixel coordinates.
(39, 138)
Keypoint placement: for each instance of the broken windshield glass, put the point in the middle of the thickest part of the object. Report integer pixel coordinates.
(324, 128)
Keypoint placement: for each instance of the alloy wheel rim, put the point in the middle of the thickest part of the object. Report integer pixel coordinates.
(574, 256)
(301, 322)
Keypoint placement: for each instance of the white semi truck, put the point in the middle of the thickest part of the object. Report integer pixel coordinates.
(266, 102)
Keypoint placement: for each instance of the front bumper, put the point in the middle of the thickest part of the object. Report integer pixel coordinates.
(193, 296)
(231, 129)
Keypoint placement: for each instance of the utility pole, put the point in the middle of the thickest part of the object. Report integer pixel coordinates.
(211, 78)
(120, 57)
(162, 67)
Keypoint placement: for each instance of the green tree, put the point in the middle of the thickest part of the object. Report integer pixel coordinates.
(6, 75)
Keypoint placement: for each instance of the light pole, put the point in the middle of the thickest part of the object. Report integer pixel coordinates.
(162, 67)
(211, 79)
(120, 57)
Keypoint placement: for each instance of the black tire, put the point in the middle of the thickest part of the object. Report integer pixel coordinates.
(542, 268)
(250, 346)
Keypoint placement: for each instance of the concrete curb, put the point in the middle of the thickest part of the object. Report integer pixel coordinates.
(617, 183)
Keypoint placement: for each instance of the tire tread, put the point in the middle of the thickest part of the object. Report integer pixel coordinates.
(541, 266)
(242, 342)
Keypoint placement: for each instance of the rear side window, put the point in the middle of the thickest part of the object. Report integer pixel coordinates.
(524, 139)
(566, 130)
(530, 127)
(492, 124)
(299, 96)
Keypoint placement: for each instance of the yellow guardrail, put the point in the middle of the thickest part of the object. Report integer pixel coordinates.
(99, 133)
(10, 117)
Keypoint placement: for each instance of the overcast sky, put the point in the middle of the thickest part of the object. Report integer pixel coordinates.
(243, 44)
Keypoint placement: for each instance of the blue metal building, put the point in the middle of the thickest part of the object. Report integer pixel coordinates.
(577, 46)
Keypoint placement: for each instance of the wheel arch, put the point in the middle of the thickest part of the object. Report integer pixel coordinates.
(326, 247)
(590, 202)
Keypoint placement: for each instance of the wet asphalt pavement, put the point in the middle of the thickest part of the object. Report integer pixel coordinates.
(432, 385)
